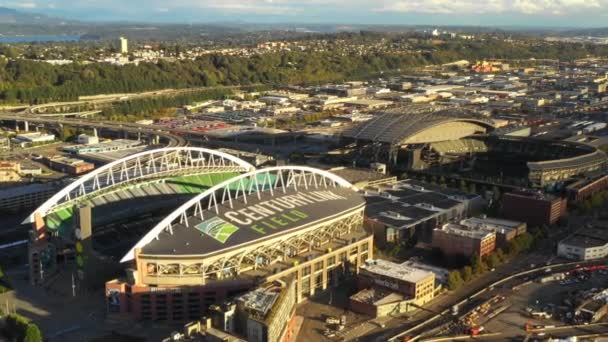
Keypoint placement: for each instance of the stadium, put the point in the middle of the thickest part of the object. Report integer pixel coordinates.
(277, 223)
(450, 140)
(117, 202)
(218, 228)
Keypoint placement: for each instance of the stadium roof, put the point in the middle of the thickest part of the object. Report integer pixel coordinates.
(399, 125)
(259, 219)
(252, 207)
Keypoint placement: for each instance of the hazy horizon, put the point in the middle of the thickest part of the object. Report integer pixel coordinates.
(490, 13)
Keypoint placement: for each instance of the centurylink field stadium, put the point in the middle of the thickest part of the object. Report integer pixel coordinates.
(238, 228)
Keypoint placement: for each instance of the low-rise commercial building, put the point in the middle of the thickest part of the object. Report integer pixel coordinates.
(505, 230)
(34, 137)
(584, 189)
(265, 313)
(533, 207)
(586, 244)
(390, 288)
(68, 165)
(85, 139)
(409, 210)
(9, 171)
(103, 147)
(455, 239)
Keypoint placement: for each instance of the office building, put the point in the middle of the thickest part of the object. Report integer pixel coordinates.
(455, 239)
(533, 207)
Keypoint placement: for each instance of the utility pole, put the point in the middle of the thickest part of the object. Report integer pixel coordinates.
(41, 272)
(73, 286)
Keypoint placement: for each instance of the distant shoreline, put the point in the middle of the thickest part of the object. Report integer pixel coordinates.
(38, 39)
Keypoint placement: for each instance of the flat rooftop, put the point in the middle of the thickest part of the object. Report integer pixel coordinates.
(105, 146)
(260, 300)
(257, 220)
(395, 271)
(491, 224)
(587, 238)
(376, 296)
(465, 231)
(405, 203)
(441, 274)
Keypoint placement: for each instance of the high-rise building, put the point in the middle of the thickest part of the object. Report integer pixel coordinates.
(124, 45)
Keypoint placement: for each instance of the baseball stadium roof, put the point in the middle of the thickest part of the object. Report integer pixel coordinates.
(414, 124)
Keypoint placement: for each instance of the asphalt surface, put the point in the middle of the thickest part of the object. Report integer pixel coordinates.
(480, 289)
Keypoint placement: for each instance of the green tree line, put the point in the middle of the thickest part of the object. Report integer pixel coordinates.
(26, 81)
(479, 266)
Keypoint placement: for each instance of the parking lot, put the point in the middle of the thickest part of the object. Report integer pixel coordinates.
(551, 297)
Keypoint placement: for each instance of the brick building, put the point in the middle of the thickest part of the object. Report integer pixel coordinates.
(455, 239)
(534, 208)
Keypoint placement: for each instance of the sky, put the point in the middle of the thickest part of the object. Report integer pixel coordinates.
(550, 13)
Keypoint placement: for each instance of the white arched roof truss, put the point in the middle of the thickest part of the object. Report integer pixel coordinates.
(142, 165)
(234, 189)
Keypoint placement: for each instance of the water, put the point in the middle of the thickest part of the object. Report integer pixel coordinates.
(38, 39)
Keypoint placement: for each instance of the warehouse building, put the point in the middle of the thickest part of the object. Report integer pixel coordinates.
(585, 244)
(389, 288)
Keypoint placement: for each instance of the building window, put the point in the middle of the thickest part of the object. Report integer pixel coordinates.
(318, 266)
(306, 271)
(319, 281)
(331, 260)
(306, 285)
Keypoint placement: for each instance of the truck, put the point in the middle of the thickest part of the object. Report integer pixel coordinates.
(332, 320)
(475, 331)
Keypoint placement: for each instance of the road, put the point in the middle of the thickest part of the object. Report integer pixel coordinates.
(171, 138)
(466, 298)
(112, 98)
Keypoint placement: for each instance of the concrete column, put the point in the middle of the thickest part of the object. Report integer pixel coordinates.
(324, 274)
(94, 132)
(299, 286)
(139, 136)
(27, 126)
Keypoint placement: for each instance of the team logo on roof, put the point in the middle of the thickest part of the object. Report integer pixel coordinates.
(217, 228)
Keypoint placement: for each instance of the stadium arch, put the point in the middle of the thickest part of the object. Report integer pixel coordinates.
(138, 168)
(273, 179)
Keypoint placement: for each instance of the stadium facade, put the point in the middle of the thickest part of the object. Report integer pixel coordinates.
(277, 223)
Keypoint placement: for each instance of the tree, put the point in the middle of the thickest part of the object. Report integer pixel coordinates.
(467, 273)
(501, 255)
(32, 334)
(454, 280)
(478, 265)
(493, 260)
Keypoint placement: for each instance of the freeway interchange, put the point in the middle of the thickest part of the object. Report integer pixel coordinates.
(171, 138)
